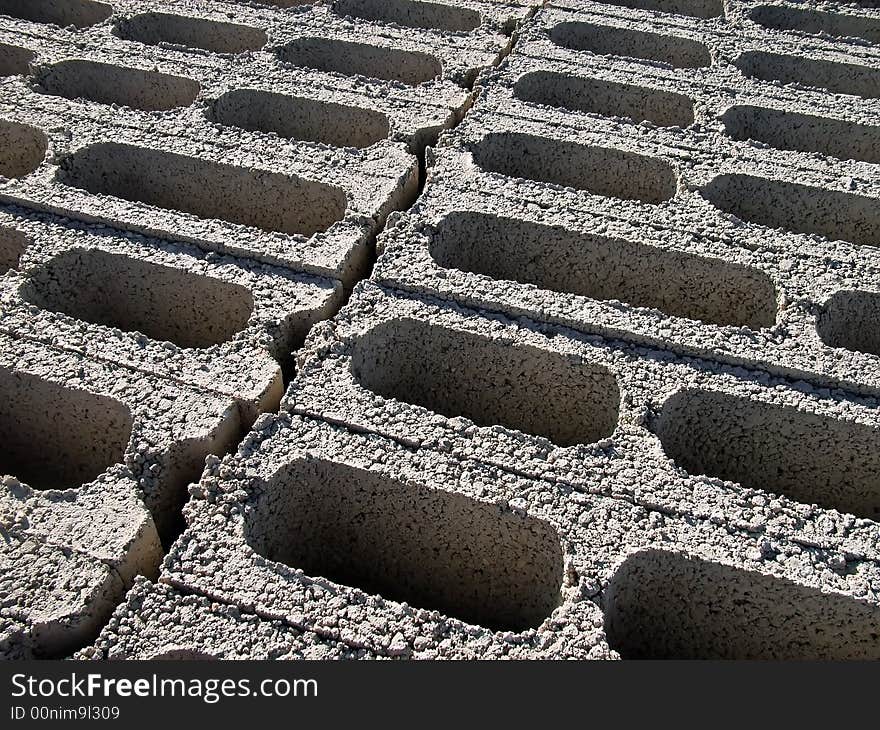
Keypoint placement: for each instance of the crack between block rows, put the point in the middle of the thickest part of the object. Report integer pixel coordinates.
(422, 158)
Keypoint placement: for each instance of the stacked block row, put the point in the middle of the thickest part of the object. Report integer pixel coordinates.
(610, 391)
(186, 188)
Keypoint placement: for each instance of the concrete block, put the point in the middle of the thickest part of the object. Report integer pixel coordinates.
(78, 13)
(695, 211)
(550, 403)
(308, 529)
(847, 22)
(212, 322)
(312, 35)
(339, 142)
(420, 554)
(610, 391)
(194, 191)
(125, 429)
(97, 459)
(54, 600)
(256, 94)
(157, 622)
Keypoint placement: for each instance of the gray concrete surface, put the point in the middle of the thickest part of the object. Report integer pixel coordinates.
(157, 622)
(97, 459)
(203, 319)
(439, 329)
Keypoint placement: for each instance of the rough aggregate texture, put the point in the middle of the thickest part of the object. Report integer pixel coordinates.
(439, 329)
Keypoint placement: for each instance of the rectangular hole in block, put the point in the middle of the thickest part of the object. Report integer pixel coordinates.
(490, 382)
(266, 200)
(364, 59)
(294, 117)
(693, 8)
(161, 302)
(110, 84)
(666, 605)
(843, 78)
(608, 98)
(22, 149)
(55, 437)
(595, 266)
(849, 320)
(79, 13)
(14, 60)
(411, 14)
(607, 40)
(809, 458)
(804, 133)
(12, 245)
(180, 30)
(597, 170)
(430, 548)
(816, 22)
(797, 208)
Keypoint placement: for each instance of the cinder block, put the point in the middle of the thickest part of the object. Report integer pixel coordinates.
(551, 403)
(78, 13)
(423, 555)
(303, 160)
(157, 622)
(611, 391)
(333, 533)
(196, 191)
(846, 22)
(255, 93)
(54, 600)
(109, 424)
(453, 17)
(691, 210)
(703, 9)
(98, 459)
(313, 36)
(285, 134)
(209, 321)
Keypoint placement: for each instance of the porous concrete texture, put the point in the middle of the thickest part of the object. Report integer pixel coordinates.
(303, 131)
(183, 197)
(202, 319)
(304, 161)
(696, 210)
(98, 458)
(547, 401)
(410, 552)
(157, 622)
(299, 204)
(604, 384)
